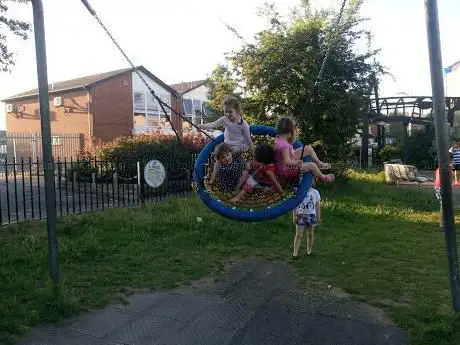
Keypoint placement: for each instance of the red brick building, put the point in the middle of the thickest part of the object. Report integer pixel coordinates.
(100, 107)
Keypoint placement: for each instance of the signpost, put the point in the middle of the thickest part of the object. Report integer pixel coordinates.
(154, 173)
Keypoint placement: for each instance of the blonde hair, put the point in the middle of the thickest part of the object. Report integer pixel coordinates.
(286, 126)
(232, 102)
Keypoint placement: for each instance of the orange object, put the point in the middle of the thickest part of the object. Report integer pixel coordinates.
(437, 180)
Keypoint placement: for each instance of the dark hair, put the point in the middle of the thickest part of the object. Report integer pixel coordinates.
(285, 125)
(265, 154)
(222, 149)
(232, 102)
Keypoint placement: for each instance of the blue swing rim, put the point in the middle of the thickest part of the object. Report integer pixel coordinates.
(236, 213)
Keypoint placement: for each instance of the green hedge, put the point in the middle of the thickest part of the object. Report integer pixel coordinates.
(122, 155)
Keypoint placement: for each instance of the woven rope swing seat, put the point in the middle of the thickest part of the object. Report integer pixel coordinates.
(256, 205)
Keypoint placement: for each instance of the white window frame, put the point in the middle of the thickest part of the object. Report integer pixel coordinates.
(155, 111)
(194, 115)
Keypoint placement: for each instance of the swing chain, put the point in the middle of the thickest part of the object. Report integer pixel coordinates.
(159, 100)
(334, 30)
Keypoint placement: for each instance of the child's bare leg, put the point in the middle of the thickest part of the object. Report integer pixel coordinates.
(237, 197)
(310, 166)
(215, 170)
(297, 239)
(243, 178)
(310, 239)
(247, 180)
(309, 151)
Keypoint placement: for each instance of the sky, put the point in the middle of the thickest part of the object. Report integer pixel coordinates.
(183, 40)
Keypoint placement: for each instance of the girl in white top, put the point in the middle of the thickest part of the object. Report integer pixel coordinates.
(307, 215)
(236, 134)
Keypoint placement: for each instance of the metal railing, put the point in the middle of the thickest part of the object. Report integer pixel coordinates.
(17, 146)
(87, 185)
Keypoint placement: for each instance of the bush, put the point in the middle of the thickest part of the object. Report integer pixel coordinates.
(388, 153)
(122, 154)
(421, 151)
(150, 146)
(83, 166)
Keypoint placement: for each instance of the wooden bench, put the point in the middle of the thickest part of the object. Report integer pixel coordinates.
(400, 173)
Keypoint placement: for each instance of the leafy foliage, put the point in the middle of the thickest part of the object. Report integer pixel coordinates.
(17, 28)
(279, 70)
(121, 155)
(388, 153)
(421, 149)
(149, 146)
(220, 84)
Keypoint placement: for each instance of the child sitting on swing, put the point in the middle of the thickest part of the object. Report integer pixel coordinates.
(260, 174)
(236, 136)
(289, 161)
(229, 171)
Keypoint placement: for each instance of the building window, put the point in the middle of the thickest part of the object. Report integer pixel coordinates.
(188, 106)
(193, 109)
(139, 119)
(139, 102)
(167, 100)
(152, 104)
(197, 107)
(147, 110)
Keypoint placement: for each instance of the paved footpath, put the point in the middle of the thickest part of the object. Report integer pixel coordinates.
(253, 302)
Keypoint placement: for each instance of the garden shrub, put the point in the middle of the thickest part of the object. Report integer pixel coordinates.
(388, 153)
(84, 166)
(122, 154)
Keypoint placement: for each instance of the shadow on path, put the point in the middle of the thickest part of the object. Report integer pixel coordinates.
(252, 302)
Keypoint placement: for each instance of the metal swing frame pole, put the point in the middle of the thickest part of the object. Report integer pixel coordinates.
(48, 163)
(440, 121)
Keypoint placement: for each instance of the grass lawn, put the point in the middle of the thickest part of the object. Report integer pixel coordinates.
(380, 243)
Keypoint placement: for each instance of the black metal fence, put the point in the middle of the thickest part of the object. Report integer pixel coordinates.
(86, 186)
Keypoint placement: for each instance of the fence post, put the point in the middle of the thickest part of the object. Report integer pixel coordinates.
(93, 182)
(34, 146)
(140, 181)
(115, 182)
(82, 142)
(74, 177)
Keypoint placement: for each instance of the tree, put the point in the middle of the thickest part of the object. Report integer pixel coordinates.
(17, 28)
(220, 84)
(279, 69)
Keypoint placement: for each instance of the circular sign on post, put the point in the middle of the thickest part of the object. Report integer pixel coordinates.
(154, 173)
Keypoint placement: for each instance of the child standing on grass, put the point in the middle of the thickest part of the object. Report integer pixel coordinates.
(236, 135)
(306, 215)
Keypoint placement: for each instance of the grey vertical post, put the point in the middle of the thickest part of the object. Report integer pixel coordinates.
(365, 141)
(140, 181)
(48, 165)
(440, 120)
(405, 135)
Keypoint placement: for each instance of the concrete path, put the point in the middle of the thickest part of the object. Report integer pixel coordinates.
(253, 302)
